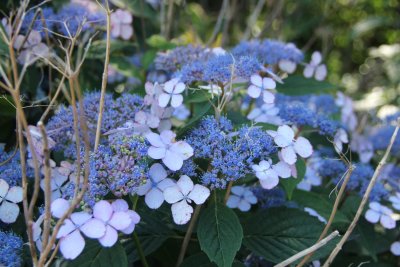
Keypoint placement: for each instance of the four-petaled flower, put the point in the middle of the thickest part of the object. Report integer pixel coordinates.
(121, 24)
(9, 197)
(181, 195)
(269, 174)
(172, 91)
(241, 198)
(395, 201)
(164, 147)
(379, 213)
(315, 67)
(258, 85)
(284, 138)
(154, 187)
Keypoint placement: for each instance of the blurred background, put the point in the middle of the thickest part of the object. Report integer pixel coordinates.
(360, 40)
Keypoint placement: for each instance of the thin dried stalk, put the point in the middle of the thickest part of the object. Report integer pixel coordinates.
(221, 16)
(105, 76)
(365, 198)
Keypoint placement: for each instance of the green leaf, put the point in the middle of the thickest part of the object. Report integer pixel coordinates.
(298, 85)
(159, 42)
(98, 48)
(201, 260)
(290, 184)
(95, 255)
(278, 233)
(125, 67)
(138, 8)
(197, 96)
(320, 203)
(220, 234)
(200, 109)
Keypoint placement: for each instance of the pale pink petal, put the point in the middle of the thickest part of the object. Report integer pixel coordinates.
(8, 212)
(154, 198)
(183, 149)
(59, 207)
(103, 210)
(126, 31)
(120, 205)
(172, 194)
(287, 66)
(109, 238)
(72, 245)
(308, 71)
(185, 184)
(172, 160)
(156, 152)
(154, 139)
(181, 212)
(256, 80)
(167, 136)
(125, 17)
(170, 85)
(286, 131)
(254, 91)
(67, 227)
(120, 220)
(176, 100)
(303, 147)
(199, 194)
(282, 169)
(15, 194)
(115, 30)
(94, 228)
(320, 73)
(135, 220)
(289, 155)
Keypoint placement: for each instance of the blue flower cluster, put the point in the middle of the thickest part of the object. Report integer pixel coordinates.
(11, 171)
(118, 167)
(231, 154)
(313, 111)
(116, 113)
(268, 51)
(275, 197)
(10, 249)
(381, 138)
(66, 21)
(359, 179)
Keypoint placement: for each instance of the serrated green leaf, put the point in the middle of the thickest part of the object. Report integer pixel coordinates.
(95, 255)
(278, 233)
(290, 184)
(299, 85)
(220, 234)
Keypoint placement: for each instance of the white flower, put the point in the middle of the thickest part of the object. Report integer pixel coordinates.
(121, 24)
(212, 89)
(379, 213)
(269, 174)
(172, 91)
(339, 139)
(395, 201)
(258, 85)
(59, 178)
(165, 147)
(315, 67)
(181, 195)
(311, 177)
(9, 197)
(154, 187)
(241, 198)
(32, 49)
(152, 93)
(395, 248)
(144, 121)
(267, 113)
(314, 213)
(287, 65)
(284, 138)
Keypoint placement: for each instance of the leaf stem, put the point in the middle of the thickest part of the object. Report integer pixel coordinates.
(228, 191)
(188, 235)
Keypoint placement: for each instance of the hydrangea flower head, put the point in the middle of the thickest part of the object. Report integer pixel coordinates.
(258, 85)
(121, 24)
(181, 195)
(269, 174)
(172, 92)
(11, 247)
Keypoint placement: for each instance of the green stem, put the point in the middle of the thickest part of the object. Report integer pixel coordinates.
(139, 248)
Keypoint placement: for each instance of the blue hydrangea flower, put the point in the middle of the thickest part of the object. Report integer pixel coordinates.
(10, 249)
(48, 16)
(11, 171)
